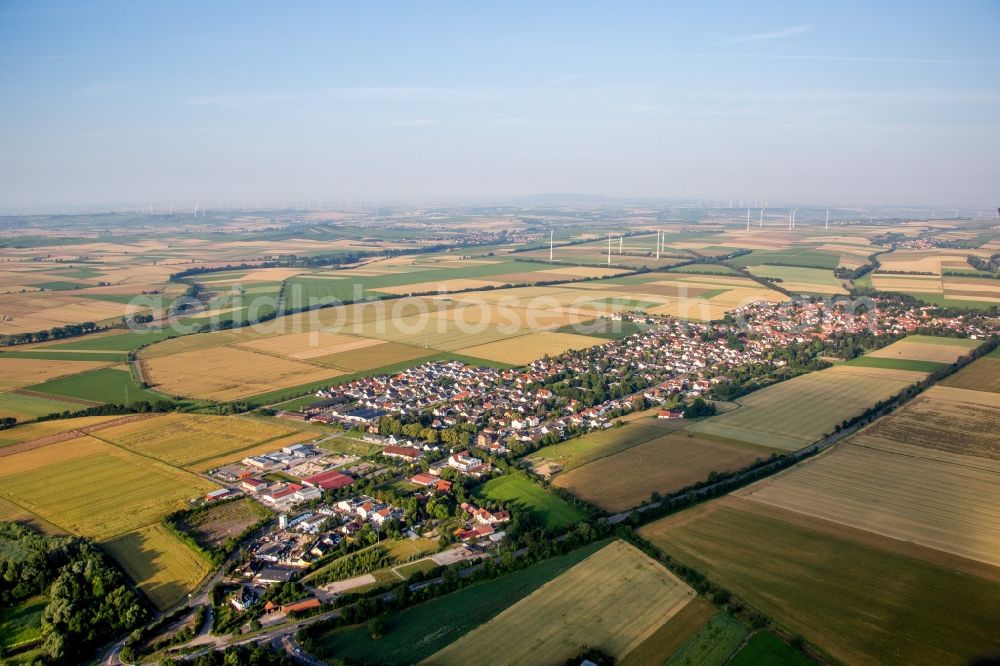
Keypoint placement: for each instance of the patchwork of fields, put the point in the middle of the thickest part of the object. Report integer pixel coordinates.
(613, 601)
(76, 475)
(883, 549)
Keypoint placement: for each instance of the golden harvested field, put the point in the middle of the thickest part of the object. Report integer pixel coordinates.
(308, 345)
(368, 358)
(903, 495)
(162, 566)
(185, 439)
(526, 348)
(599, 444)
(861, 597)
(612, 601)
(916, 284)
(44, 429)
(440, 334)
(797, 412)
(228, 373)
(663, 465)
(919, 261)
(981, 375)
(20, 372)
(944, 418)
(923, 351)
(82, 485)
(13, 512)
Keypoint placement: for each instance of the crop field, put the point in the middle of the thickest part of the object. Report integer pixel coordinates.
(899, 493)
(799, 411)
(228, 373)
(945, 419)
(920, 261)
(981, 375)
(354, 447)
(663, 465)
(526, 348)
(81, 485)
(860, 597)
(163, 567)
(796, 256)
(419, 631)
(672, 635)
(377, 355)
(20, 372)
(582, 450)
(24, 407)
(106, 385)
(805, 280)
(220, 522)
(185, 439)
(308, 345)
(766, 649)
(971, 288)
(551, 510)
(715, 643)
(926, 348)
(613, 601)
(13, 512)
(48, 431)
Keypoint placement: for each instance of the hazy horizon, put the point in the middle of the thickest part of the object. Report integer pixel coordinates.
(120, 103)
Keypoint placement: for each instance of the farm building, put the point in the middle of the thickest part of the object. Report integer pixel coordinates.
(670, 414)
(404, 452)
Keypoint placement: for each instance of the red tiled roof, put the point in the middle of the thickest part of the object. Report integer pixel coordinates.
(329, 480)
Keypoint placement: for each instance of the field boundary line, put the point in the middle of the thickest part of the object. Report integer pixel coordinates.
(35, 514)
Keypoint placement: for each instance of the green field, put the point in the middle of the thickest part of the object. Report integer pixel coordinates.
(805, 257)
(348, 445)
(941, 340)
(21, 624)
(116, 342)
(102, 385)
(896, 364)
(419, 631)
(714, 643)
(25, 407)
(766, 649)
(420, 566)
(604, 328)
(796, 274)
(517, 491)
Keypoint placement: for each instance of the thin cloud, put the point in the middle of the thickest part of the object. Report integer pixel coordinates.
(40, 57)
(768, 36)
(830, 58)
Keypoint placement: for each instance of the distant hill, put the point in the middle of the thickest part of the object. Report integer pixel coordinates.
(565, 198)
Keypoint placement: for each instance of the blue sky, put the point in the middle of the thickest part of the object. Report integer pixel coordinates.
(113, 103)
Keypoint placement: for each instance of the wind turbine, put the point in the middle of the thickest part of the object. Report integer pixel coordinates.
(658, 232)
(552, 235)
(761, 218)
(748, 218)
(789, 220)
(621, 239)
(609, 249)
(827, 218)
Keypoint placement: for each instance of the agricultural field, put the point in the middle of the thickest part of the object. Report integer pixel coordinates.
(106, 385)
(613, 601)
(715, 643)
(25, 407)
(898, 493)
(18, 373)
(228, 373)
(582, 450)
(164, 568)
(927, 348)
(801, 280)
(766, 649)
(418, 632)
(662, 465)
(526, 348)
(518, 491)
(189, 439)
(107, 476)
(860, 597)
(981, 375)
(802, 410)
